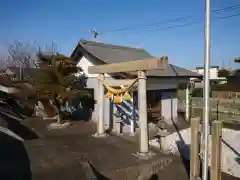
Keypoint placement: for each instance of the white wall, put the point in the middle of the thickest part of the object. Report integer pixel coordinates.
(169, 106)
(213, 72)
(84, 63)
(178, 143)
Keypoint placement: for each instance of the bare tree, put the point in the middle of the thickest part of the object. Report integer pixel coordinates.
(49, 49)
(3, 64)
(24, 54)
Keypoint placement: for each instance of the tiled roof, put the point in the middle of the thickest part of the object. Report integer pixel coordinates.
(114, 54)
(109, 53)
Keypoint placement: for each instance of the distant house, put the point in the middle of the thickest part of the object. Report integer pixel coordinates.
(213, 76)
(21, 74)
(6, 86)
(16, 72)
(231, 89)
(16, 78)
(161, 84)
(213, 71)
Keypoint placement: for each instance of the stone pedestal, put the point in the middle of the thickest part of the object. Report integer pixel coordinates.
(55, 125)
(162, 133)
(96, 135)
(144, 155)
(118, 128)
(162, 140)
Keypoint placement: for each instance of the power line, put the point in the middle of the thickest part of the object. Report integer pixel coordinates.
(181, 25)
(171, 20)
(175, 19)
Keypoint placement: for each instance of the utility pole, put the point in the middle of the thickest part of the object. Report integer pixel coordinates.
(223, 64)
(206, 91)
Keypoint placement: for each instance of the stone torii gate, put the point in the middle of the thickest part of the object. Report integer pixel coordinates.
(139, 66)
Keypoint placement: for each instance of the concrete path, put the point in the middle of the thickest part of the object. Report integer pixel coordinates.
(68, 153)
(61, 154)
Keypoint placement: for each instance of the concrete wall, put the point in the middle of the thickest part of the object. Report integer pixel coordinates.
(169, 106)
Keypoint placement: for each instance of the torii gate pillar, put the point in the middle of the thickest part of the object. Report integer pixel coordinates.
(142, 106)
(100, 126)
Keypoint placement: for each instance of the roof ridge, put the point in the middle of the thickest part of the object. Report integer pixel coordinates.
(174, 66)
(173, 69)
(93, 43)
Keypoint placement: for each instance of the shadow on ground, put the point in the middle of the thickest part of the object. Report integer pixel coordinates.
(82, 111)
(237, 159)
(97, 174)
(81, 114)
(92, 173)
(26, 108)
(19, 129)
(14, 160)
(183, 149)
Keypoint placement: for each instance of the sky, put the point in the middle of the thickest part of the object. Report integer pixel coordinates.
(65, 22)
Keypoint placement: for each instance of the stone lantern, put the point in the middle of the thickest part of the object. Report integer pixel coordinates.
(162, 133)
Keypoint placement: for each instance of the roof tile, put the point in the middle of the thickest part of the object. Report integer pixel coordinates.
(109, 53)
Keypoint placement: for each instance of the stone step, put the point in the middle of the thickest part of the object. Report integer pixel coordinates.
(139, 170)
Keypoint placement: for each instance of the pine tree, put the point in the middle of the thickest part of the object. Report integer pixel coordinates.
(54, 82)
(237, 60)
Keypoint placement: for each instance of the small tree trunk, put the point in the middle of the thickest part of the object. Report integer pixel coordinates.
(35, 112)
(56, 107)
(59, 118)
